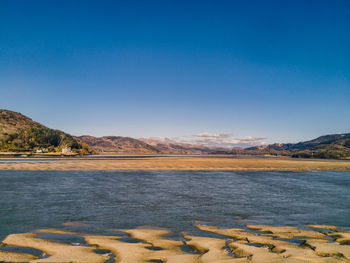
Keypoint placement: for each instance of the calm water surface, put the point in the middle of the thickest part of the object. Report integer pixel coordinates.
(172, 199)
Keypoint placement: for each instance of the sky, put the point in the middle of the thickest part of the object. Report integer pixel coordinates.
(236, 72)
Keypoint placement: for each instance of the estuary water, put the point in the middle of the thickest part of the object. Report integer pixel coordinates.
(101, 200)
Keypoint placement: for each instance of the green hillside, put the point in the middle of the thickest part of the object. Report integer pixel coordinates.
(19, 133)
(333, 146)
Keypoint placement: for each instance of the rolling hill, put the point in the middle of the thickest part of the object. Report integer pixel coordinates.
(176, 147)
(117, 144)
(19, 133)
(127, 145)
(334, 146)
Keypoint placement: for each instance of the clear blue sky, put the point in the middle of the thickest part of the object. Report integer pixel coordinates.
(274, 69)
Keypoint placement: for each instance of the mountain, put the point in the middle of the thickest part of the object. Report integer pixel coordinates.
(127, 145)
(19, 133)
(334, 146)
(117, 144)
(168, 147)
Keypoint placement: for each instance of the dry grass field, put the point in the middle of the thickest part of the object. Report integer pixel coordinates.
(219, 163)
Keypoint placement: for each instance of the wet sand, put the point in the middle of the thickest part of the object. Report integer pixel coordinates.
(251, 243)
(218, 163)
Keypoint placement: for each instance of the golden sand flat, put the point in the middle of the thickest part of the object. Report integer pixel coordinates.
(168, 163)
(251, 243)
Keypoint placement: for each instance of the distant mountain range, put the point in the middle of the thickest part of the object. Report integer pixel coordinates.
(166, 147)
(334, 146)
(127, 145)
(117, 144)
(19, 133)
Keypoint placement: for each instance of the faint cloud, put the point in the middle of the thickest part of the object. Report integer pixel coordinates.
(251, 139)
(213, 135)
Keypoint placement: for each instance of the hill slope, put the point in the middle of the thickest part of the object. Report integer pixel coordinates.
(127, 145)
(334, 146)
(117, 144)
(176, 147)
(19, 133)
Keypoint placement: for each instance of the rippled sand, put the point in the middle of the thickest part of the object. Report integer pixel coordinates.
(251, 243)
(217, 163)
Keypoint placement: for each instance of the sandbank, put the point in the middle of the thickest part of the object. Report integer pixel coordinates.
(168, 163)
(251, 243)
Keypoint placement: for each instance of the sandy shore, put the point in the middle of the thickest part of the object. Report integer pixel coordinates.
(251, 243)
(219, 163)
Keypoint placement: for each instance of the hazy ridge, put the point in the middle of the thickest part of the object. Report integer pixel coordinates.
(334, 146)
